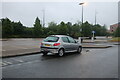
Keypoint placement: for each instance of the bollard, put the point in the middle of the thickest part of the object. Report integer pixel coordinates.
(79, 39)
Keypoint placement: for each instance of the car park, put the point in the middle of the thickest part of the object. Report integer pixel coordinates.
(60, 44)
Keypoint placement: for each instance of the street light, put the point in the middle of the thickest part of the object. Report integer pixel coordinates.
(82, 14)
(82, 10)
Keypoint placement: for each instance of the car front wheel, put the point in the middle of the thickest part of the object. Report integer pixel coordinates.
(79, 50)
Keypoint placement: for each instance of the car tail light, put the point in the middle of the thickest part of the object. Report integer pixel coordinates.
(56, 44)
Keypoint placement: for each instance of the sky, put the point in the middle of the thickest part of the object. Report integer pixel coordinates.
(69, 11)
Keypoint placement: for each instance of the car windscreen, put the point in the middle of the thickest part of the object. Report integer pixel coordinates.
(51, 39)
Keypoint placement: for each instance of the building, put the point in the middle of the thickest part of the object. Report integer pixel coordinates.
(113, 27)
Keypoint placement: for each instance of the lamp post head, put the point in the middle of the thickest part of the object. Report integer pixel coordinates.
(81, 3)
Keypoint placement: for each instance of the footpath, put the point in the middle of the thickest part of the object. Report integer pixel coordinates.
(20, 47)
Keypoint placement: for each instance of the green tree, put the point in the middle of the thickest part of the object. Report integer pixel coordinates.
(75, 31)
(28, 32)
(37, 28)
(69, 27)
(86, 29)
(117, 32)
(18, 29)
(53, 28)
(62, 29)
(100, 30)
(7, 29)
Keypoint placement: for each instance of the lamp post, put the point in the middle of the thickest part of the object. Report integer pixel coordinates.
(82, 15)
(80, 39)
(82, 10)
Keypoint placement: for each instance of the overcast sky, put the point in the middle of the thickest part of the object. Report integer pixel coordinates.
(26, 12)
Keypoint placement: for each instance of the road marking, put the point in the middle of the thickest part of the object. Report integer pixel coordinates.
(0, 64)
(20, 61)
(3, 50)
(7, 62)
(21, 64)
(4, 64)
(25, 48)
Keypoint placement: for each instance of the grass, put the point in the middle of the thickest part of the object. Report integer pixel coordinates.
(115, 39)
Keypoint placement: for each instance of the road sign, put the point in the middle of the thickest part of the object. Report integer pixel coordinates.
(93, 31)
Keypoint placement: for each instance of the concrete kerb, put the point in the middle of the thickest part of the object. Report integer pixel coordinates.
(98, 47)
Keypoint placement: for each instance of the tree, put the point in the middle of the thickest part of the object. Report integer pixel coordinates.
(37, 28)
(86, 29)
(69, 27)
(117, 32)
(18, 29)
(52, 26)
(62, 29)
(28, 32)
(100, 30)
(7, 29)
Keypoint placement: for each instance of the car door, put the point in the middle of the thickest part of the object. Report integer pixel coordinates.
(73, 44)
(66, 43)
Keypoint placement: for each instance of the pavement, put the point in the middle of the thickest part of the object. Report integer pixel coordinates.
(19, 47)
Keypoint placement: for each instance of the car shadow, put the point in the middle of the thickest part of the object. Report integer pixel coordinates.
(54, 56)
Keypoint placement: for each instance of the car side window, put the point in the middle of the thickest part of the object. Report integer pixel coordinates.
(65, 39)
(71, 40)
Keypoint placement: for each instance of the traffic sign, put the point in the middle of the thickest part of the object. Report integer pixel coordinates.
(93, 31)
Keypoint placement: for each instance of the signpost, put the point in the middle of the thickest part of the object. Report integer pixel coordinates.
(93, 32)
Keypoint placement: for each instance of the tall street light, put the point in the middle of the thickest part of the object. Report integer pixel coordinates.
(82, 10)
(82, 15)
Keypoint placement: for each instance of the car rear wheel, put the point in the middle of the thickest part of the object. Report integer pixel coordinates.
(44, 53)
(61, 52)
(79, 50)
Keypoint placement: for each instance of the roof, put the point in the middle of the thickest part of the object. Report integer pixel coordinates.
(59, 35)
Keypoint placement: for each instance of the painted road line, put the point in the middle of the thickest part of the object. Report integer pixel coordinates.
(0, 64)
(3, 50)
(4, 64)
(20, 61)
(7, 62)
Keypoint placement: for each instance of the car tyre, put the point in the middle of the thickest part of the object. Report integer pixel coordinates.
(44, 53)
(61, 52)
(79, 50)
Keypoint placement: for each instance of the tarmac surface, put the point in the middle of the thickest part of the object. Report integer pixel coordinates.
(91, 63)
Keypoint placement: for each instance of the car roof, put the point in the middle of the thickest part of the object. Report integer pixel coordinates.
(59, 35)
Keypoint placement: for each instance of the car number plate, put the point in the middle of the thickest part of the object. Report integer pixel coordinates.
(48, 45)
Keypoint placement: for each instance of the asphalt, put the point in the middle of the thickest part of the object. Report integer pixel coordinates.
(91, 63)
(21, 47)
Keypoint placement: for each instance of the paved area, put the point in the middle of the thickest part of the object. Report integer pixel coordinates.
(13, 47)
(92, 63)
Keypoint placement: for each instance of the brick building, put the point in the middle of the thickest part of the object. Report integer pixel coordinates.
(113, 27)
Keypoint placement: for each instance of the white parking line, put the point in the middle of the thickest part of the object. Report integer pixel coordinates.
(20, 61)
(7, 62)
(3, 50)
(4, 64)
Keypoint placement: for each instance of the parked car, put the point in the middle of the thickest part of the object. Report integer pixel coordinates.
(60, 44)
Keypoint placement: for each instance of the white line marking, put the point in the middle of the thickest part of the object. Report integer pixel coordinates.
(20, 60)
(4, 64)
(3, 50)
(7, 62)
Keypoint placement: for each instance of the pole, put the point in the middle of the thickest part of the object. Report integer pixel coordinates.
(43, 18)
(82, 13)
(93, 36)
(95, 17)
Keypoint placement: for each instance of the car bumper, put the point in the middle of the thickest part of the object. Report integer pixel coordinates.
(50, 50)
